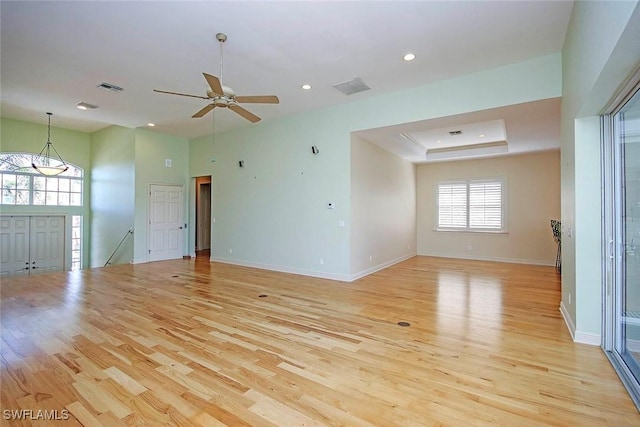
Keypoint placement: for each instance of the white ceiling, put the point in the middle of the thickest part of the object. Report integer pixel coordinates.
(55, 53)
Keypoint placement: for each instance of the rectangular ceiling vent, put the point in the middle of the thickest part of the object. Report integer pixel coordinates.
(111, 87)
(352, 86)
(455, 132)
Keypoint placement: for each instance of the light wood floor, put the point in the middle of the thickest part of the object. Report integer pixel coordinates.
(195, 343)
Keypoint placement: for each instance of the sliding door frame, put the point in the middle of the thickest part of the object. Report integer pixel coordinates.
(613, 249)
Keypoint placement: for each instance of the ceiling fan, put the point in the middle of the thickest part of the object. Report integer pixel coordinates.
(224, 97)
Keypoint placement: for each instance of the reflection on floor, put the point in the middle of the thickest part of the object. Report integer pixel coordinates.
(429, 341)
(203, 255)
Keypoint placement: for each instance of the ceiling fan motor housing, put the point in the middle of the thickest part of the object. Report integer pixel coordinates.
(221, 102)
(228, 92)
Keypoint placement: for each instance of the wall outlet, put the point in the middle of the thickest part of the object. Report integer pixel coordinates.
(230, 250)
(569, 297)
(370, 258)
(321, 261)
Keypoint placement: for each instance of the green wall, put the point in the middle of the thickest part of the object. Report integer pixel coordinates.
(112, 195)
(151, 152)
(17, 136)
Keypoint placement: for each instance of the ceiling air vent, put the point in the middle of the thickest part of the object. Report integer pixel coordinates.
(352, 86)
(111, 87)
(455, 132)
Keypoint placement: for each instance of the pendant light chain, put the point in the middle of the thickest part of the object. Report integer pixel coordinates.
(48, 158)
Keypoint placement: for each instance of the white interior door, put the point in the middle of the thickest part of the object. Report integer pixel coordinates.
(31, 245)
(14, 246)
(166, 230)
(46, 243)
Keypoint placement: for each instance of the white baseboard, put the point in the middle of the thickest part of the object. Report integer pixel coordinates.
(379, 267)
(312, 273)
(588, 338)
(578, 336)
(567, 320)
(494, 259)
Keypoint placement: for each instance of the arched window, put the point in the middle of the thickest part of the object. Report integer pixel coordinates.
(20, 184)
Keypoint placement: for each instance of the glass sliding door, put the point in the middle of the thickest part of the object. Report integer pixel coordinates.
(622, 234)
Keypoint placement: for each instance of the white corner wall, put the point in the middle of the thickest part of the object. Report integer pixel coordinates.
(383, 208)
(601, 51)
(533, 200)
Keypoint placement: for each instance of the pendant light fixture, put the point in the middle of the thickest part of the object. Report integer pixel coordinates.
(44, 163)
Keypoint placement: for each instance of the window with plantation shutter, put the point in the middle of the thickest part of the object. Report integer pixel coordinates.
(471, 205)
(452, 205)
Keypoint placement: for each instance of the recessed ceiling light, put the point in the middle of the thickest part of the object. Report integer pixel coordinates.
(151, 124)
(306, 86)
(482, 135)
(438, 141)
(409, 57)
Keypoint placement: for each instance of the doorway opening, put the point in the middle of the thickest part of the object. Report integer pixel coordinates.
(203, 217)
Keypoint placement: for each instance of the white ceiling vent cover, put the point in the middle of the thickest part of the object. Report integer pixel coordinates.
(352, 86)
(111, 87)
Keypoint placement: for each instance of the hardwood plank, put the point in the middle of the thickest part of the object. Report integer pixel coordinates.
(192, 343)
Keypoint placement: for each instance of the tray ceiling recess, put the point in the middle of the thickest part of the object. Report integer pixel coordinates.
(467, 140)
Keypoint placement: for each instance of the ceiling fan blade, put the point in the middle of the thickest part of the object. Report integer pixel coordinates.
(181, 94)
(214, 84)
(244, 113)
(204, 111)
(259, 99)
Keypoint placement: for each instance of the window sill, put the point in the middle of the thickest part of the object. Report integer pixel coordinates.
(457, 230)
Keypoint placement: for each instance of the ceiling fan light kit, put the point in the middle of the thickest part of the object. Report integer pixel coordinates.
(221, 96)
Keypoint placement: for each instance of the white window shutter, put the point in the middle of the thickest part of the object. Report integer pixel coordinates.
(452, 205)
(485, 205)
